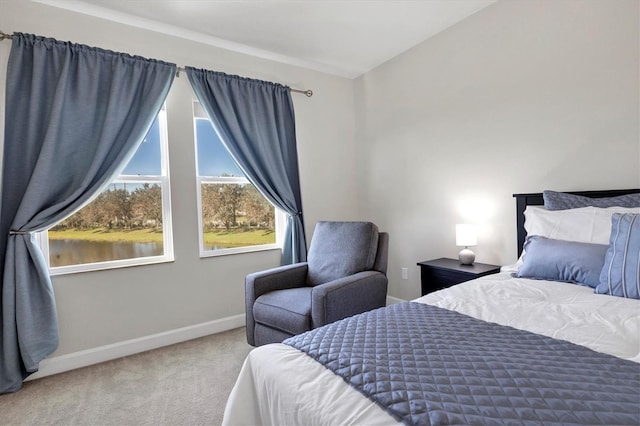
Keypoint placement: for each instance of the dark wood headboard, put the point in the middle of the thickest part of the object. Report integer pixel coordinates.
(535, 199)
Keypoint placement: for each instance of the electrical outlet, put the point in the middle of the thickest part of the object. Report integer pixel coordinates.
(405, 273)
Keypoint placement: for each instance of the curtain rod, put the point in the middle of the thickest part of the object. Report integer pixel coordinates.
(308, 92)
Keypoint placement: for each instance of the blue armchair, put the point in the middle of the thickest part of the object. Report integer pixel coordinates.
(345, 274)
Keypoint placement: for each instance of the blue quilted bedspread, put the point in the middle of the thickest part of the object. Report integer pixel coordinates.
(431, 366)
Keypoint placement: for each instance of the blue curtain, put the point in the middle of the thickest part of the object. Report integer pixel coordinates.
(74, 117)
(256, 123)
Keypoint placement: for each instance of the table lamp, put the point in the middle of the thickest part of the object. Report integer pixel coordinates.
(466, 236)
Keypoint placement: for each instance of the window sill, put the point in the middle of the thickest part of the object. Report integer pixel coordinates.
(239, 250)
(102, 266)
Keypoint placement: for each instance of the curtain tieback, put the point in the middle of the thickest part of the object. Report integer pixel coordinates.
(13, 232)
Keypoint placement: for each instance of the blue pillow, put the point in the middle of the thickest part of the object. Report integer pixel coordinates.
(563, 201)
(621, 271)
(566, 261)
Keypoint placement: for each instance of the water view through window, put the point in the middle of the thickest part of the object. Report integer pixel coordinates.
(125, 221)
(74, 252)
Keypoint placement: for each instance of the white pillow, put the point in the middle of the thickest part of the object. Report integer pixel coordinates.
(584, 225)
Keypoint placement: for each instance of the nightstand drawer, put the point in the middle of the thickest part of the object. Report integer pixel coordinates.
(442, 273)
(442, 278)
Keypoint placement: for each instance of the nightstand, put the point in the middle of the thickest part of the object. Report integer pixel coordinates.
(442, 273)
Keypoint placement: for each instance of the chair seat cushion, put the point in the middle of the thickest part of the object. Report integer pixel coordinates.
(287, 310)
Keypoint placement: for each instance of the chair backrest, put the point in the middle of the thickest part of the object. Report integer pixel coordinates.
(340, 249)
(383, 253)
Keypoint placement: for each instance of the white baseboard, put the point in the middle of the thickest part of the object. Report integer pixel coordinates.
(59, 364)
(391, 300)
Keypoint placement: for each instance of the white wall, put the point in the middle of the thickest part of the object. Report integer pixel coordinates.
(102, 308)
(522, 96)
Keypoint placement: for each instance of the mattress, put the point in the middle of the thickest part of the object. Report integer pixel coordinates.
(280, 385)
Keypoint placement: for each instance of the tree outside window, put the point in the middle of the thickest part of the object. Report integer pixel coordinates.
(127, 224)
(234, 215)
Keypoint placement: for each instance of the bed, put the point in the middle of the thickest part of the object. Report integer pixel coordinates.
(505, 348)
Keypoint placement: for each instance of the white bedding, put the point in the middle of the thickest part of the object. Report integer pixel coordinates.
(279, 385)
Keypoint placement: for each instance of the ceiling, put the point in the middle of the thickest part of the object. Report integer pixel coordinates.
(341, 37)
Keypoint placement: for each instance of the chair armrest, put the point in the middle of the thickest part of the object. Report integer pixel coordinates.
(259, 283)
(347, 296)
(279, 278)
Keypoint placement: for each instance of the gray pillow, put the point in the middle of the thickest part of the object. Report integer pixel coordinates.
(563, 201)
(566, 261)
(621, 272)
(340, 249)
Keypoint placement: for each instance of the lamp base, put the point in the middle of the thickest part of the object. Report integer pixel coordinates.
(466, 256)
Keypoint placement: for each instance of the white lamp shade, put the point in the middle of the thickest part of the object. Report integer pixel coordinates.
(466, 235)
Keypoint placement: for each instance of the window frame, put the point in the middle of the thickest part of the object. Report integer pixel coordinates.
(279, 215)
(163, 181)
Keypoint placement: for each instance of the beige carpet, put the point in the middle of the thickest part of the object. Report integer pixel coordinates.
(183, 384)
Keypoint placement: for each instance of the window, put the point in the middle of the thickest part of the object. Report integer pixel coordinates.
(129, 223)
(233, 216)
